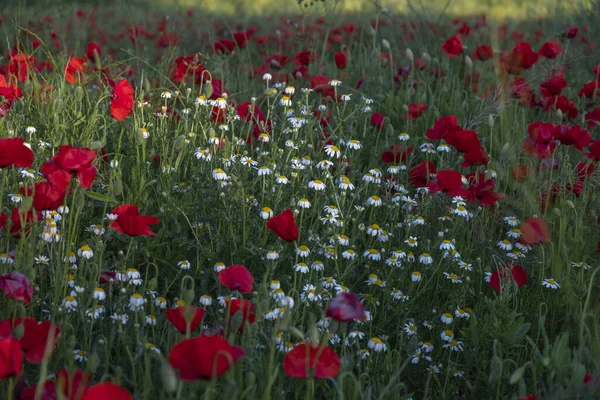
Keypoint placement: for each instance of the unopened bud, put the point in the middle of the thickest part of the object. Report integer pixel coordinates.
(385, 44)
(468, 63)
(410, 55)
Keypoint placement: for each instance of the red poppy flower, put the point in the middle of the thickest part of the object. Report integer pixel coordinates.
(585, 169)
(20, 65)
(573, 136)
(521, 172)
(528, 397)
(378, 120)
(45, 196)
(570, 32)
(284, 226)
(180, 317)
(106, 391)
(415, 110)
(341, 59)
(70, 160)
(14, 152)
(520, 58)
(122, 103)
(482, 190)
(236, 277)
(188, 66)
(453, 46)
(203, 357)
(475, 157)
(540, 142)
(592, 118)
(590, 89)
(130, 222)
(553, 86)
(463, 140)
(483, 52)
(71, 386)
(17, 228)
(346, 307)
(11, 358)
(551, 49)
(246, 307)
(36, 336)
(304, 58)
(517, 274)
(535, 230)
(16, 285)
(93, 50)
(74, 70)
(442, 127)
(397, 153)
(306, 361)
(223, 46)
(594, 153)
(241, 38)
(419, 174)
(447, 181)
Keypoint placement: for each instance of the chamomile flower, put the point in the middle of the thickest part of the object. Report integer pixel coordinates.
(303, 203)
(505, 245)
(514, 233)
(511, 221)
(70, 303)
(453, 277)
(266, 213)
(282, 180)
(460, 313)
(354, 144)
(415, 276)
(447, 335)
(334, 83)
(184, 265)
(136, 302)
(85, 252)
(372, 254)
(219, 266)
(425, 259)
(333, 151)
(272, 255)
(550, 283)
(303, 251)
(447, 245)
(377, 345)
(454, 345)
(580, 265)
(374, 201)
(349, 254)
(99, 294)
(410, 329)
(80, 355)
(316, 185)
(446, 318)
(403, 137)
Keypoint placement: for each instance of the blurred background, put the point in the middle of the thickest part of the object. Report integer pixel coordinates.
(500, 9)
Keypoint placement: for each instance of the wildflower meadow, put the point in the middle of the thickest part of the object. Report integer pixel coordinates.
(307, 204)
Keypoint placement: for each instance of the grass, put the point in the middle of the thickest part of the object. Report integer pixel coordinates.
(163, 156)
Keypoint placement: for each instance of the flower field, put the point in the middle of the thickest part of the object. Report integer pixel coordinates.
(308, 206)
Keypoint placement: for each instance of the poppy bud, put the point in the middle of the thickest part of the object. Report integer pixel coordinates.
(79, 202)
(570, 204)
(426, 57)
(557, 211)
(168, 378)
(93, 362)
(270, 92)
(179, 142)
(385, 44)
(152, 284)
(559, 115)
(410, 55)
(147, 86)
(79, 93)
(314, 335)
(18, 331)
(58, 106)
(208, 89)
(468, 63)
(296, 332)
(116, 188)
(491, 121)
